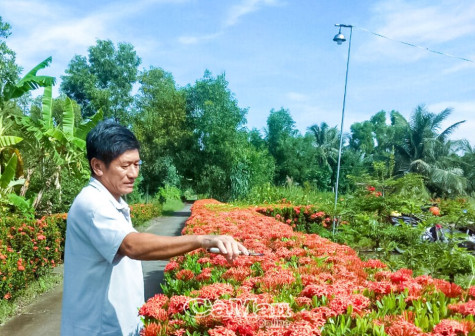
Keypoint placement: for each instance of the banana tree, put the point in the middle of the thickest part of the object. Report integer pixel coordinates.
(8, 181)
(30, 81)
(56, 147)
(7, 150)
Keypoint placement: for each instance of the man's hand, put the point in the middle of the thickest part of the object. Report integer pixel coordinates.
(230, 248)
(147, 246)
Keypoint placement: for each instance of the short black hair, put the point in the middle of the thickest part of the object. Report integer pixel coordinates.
(108, 140)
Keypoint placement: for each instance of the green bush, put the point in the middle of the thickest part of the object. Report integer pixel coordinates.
(141, 213)
(168, 193)
(363, 224)
(28, 250)
(270, 194)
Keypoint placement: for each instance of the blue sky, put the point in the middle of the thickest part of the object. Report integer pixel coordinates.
(276, 53)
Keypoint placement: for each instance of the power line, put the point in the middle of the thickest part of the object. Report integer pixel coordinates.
(416, 46)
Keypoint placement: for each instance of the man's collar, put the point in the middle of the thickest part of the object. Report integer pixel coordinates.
(120, 205)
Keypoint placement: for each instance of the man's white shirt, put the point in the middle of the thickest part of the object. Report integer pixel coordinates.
(102, 289)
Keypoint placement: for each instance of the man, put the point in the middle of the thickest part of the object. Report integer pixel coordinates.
(103, 281)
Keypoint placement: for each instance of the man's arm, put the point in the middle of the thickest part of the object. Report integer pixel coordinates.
(147, 246)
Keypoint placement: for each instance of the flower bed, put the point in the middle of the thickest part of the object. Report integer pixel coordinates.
(142, 212)
(29, 248)
(303, 285)
(300, 217)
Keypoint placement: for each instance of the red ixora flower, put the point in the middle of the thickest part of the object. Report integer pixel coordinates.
(154, 308)
(214, 291)
(471, 291)
(152, 329)
(172, 265)
(467, 308)
(185, 275)
(401, 327)
(449, 327)
(291, 258)
(221, 331)
(374, 263)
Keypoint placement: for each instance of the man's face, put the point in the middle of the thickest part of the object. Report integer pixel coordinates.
(119, 177)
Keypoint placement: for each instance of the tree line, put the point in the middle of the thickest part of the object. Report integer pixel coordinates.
(195, 137)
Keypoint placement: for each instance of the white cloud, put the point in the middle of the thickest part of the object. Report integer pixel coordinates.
(244, 8)
(232, 17)
(461, 66)
(297, 97)
(61, 29)
(198, 39)
(427, 24)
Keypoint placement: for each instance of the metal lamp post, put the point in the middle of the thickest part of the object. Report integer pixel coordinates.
(340, 38)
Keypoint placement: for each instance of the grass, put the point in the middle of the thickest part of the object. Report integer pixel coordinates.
(172, 205)
(8, 309)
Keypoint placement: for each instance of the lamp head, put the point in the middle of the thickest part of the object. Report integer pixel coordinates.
(339, 38)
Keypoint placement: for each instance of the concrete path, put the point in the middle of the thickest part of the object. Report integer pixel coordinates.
(43, 318)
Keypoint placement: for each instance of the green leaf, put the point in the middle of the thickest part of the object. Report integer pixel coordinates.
(29, 82)
(9, 140)
(83, 129)
(18, 201)
(14, 183)
(47, 107)
(68, 118)
(9, 173)
(56, 134)
(80, 143)
(33, 71)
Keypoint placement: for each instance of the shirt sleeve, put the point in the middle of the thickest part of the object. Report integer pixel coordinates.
(107, 231)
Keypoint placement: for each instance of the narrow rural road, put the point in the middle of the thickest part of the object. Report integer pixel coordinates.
(43, 318)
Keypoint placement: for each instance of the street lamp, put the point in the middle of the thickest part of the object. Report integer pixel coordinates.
(340, 38)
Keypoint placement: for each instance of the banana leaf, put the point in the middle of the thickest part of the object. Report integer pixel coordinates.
(29, 82)
(83, 129)
(47, 107)
(9, 173)
(9, 140)
(68, 119)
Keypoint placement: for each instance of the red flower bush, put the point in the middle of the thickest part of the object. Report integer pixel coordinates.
(302, 285)
(28, 249)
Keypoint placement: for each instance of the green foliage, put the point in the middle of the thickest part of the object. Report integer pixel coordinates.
(326, 143)
(29, 248)
(28, 295)
(8, 69)
(30, 81)
(363, 221)
(219, 161)
(160, 123)
(425, 150)
(168, 192)
(141, 213)
(56, 152)
(103, 80)
(299, 195)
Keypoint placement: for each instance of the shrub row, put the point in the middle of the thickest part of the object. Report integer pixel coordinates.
(141, 213)
(30, 248)
(302, 285)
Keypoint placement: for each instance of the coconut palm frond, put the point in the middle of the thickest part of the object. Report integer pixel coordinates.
(443, 136)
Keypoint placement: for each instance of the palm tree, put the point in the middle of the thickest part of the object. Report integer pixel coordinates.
(422, 148)
(326, 143)
(468, 164)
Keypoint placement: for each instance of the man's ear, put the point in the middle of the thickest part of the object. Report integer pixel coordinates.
(97, 166)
